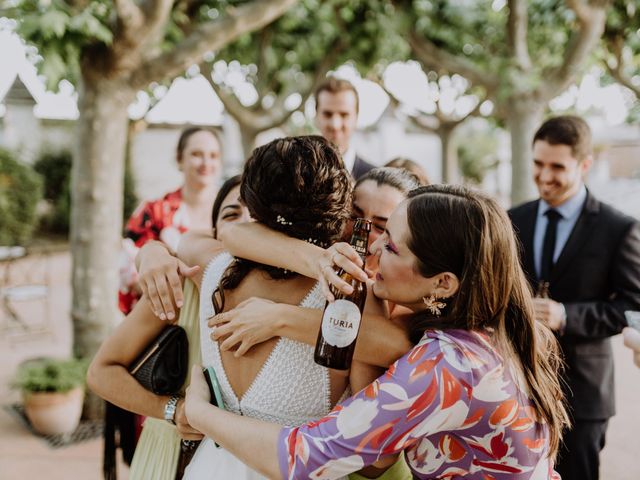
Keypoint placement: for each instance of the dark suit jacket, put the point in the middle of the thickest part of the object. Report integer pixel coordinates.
(360, 167)
(597, 278)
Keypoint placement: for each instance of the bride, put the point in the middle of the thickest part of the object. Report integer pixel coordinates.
(297, 186)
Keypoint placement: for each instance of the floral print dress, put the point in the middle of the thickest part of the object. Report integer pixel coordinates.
(450, 404)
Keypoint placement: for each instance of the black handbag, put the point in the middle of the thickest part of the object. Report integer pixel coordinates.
(162, 367)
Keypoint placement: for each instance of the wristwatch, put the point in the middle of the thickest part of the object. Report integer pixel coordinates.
(170, 409)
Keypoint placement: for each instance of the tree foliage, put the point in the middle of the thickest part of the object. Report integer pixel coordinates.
(523, 52)
(65, 31)
(293, 55)
(61, 30)
(20, 192)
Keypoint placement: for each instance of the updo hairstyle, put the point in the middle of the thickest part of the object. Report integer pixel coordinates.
(297, 186)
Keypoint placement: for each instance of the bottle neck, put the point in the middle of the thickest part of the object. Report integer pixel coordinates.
(360, 238)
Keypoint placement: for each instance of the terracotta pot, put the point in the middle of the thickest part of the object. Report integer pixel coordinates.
(53, 413)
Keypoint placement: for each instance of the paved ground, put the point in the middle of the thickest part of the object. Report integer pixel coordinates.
(25, 456)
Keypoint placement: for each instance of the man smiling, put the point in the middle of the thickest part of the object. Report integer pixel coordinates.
(583, 258)
(336, 117)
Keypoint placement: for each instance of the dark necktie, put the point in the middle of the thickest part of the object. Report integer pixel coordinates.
(549, 245)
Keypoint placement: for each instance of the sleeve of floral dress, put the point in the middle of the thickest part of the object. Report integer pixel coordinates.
(142, 225)
(426, 391)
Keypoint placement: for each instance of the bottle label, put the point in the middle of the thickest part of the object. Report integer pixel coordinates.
(340, 323)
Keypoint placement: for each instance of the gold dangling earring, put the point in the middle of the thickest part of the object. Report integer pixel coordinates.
(433, 305)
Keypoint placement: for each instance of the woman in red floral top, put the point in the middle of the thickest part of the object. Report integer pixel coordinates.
(199, 157)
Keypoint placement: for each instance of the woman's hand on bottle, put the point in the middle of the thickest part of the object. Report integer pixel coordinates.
(185, 430)
(253, 321)
(340, 255)
(160, 278)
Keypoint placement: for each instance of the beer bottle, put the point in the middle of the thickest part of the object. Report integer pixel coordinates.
(341, 319)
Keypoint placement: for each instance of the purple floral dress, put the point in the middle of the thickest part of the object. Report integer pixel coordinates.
(450, 404)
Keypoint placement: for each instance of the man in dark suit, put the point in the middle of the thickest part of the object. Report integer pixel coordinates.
(584, 256)
(336, 118)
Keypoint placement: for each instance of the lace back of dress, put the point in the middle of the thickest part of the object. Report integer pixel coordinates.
(290, 388)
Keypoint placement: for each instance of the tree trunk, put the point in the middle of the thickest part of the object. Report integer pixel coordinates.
(450, 172)
(248, 137)
(524, 117)
(96, 214)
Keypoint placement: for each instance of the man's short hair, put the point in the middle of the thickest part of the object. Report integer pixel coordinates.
(336, 85)
(567, 130)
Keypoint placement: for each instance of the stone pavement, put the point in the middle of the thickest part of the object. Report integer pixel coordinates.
(25, 456)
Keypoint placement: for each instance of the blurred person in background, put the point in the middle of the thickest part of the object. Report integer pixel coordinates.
(337, 106)
(413, 167)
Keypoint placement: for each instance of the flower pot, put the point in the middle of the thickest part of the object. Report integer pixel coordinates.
(53, 413)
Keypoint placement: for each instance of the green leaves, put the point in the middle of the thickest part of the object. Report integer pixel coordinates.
(51, 375)
(53, 24)
(60, 32)
(91, 27)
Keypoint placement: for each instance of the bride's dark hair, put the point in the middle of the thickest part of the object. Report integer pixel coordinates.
(298, 186)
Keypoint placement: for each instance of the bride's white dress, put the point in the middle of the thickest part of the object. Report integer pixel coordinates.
(290, 389)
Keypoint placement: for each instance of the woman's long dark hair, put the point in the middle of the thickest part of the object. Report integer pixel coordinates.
(298, 186)
(454, 229)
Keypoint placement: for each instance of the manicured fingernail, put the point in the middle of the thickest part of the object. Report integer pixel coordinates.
(170, 315)
(162, 316)
(179, 303)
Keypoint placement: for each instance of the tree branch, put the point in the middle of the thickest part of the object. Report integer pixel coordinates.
(433, 57)
(231, 103)
(615, 48)
(517, 28)
(259, 119)
(130, 17)
(156, 13)
(591, 20)
(139, 31)
(209, 36)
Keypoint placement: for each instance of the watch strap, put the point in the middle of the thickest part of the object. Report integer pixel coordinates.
(170, 409)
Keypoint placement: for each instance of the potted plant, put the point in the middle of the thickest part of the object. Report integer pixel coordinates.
(53, 393)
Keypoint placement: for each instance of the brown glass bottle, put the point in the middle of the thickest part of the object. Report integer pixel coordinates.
(341, 319)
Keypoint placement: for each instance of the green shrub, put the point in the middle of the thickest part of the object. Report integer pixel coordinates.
(50, 375)
(20, 192)
(55, 168)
